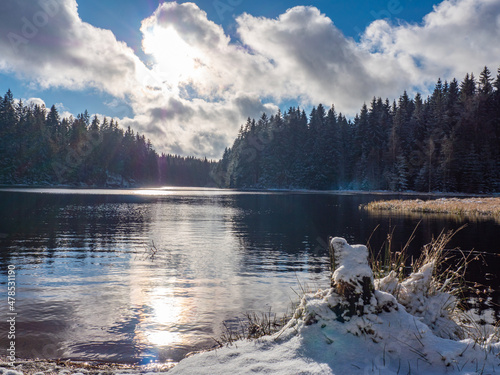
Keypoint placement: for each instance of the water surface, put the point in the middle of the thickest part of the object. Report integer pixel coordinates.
(90, 288)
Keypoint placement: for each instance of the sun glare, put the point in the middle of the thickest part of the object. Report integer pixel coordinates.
(175, 59)
(167, 313)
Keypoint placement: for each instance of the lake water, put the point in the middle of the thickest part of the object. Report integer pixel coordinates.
(88, 287)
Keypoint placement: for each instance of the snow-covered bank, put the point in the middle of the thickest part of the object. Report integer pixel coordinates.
(411, 334)
(387, 342)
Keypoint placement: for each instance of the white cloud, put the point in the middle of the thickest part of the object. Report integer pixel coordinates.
(459, 36)
(197, 97)
(63, 111)
(312, 60)
(202, 85)
(47, 42)
(301, 55)
(34, 101)
(194, 127)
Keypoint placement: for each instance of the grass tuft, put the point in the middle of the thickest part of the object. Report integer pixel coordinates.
(253, 326)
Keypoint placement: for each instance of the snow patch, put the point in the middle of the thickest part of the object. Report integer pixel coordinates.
(6, 371)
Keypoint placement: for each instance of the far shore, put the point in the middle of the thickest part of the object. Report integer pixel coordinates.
(408, 193)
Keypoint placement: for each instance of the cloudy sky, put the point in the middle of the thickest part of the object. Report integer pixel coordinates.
(188, 74)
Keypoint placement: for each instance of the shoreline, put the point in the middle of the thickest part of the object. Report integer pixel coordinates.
(87, 367)
(408, 193)
(315, 328)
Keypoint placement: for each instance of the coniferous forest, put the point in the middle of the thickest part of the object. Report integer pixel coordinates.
(37, 147)
(449, 141)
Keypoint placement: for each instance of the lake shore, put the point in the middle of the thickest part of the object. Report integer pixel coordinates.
(83, 187)
(68, 367)
(475, 206)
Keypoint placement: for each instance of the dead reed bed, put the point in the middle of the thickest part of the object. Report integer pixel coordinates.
(466, 207)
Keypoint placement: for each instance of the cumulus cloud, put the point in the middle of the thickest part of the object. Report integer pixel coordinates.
(303, 56)
(194, 127)
(47, 42)
(218, 68)
(63, 111)
(202, 85)
(317, 63)
(34, 101)
(197, 93)
(312, 60)
(459, 36)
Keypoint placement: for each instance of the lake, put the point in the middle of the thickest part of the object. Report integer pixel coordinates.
(137, 276)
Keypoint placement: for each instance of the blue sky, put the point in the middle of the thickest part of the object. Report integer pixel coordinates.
(204, 67)
(349, 16)
(124, 17)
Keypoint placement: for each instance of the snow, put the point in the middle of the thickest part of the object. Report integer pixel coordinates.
(5, 371)
(412, 333)
(385, 342)
(352, 262)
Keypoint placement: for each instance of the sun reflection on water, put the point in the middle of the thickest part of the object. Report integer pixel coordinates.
(167, 313)
(163, 338)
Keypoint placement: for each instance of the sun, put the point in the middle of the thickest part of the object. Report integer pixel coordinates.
(175, 60)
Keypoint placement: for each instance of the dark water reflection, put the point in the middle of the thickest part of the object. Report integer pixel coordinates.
(89, 289)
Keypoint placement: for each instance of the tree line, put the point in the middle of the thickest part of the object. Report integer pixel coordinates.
(449, 141)
(37, 147)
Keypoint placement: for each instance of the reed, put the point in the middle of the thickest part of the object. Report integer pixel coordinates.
(448, 276)
(449, 271)
(389, 259)
(470, 207)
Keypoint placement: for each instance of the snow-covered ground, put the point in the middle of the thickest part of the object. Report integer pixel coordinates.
(385, 342)
(399, 327)
(413, 334)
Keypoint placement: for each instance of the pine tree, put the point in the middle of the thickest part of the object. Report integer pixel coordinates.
(401, 181)
(467, 88)
(53, 120)
(485, 80)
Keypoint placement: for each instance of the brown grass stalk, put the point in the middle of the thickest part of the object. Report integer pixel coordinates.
(470, 207)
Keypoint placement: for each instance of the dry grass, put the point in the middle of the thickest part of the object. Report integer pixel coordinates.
(449, 275)
(388, 259)
(468, 207)
(252, 327)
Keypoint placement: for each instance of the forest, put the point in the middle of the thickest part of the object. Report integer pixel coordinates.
(37, 147)
(449, 142)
